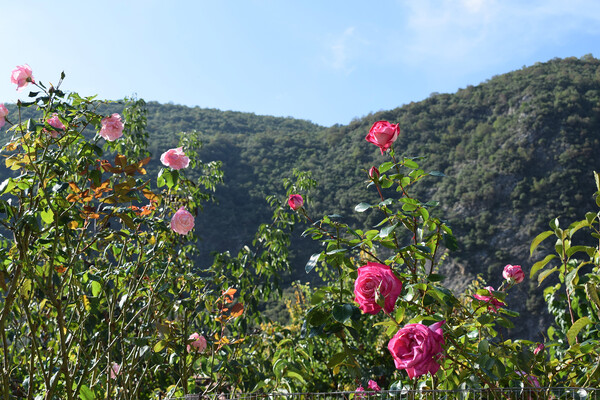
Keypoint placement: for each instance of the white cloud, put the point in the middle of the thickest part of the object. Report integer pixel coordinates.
(343, 49)
(487, 31)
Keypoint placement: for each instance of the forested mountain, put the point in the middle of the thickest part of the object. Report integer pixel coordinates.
(517, 150)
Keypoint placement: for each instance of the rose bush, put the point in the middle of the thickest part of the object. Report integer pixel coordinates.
(101, 292)
(376, 283)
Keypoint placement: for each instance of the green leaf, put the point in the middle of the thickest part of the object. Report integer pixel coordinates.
(575, 249)
(410, 164)
(545, 274)
(47, 216)
(539, 239)
(576, 328)
(336, 251)
(336, 359)
(312, 262)
(385, 167)
(96, 177)
(575, 226)
(435, 277)
(6, 185)
(85, 393)
(279, 366)
(385, 232)
(505, 323)
(362, 207)
(295, 375)
(592, 294)
(159, 346)
(540, 264)
(317, 297)
(437, 173)
(343, 312)
(96, 288)
(450, 242)
(483, 347)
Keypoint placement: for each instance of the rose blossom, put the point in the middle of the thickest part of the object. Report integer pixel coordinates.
(3, 114)
(514, 273)
(376, 281)
(374, 173)
(182, 221)
(359, 392)
(531, 379)
(383, 134)
(55, 122)
(112, 128)
(21, 76)
(373, 385)
(175, 158)
(295, 201)
(198, 343)
(494, 304)
(115, 369)
(417, 348)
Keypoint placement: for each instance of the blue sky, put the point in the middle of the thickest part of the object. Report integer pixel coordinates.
(327, 61)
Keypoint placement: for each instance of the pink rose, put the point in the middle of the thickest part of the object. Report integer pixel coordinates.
(374, 173)
(417, 348)
(513, 273)
(383, 134)
(295, 201)
(175, 158)
(21, 76)
(538, 349)
(531, 379)
(182, 222)
(3, 114)
(198, 343)
(115, 369)
(112, 128)
(359, 392)
(373, 385)
(55, 122)
(494, 304)
(376, 281)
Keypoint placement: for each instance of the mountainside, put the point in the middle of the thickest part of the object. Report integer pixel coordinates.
(517, 151)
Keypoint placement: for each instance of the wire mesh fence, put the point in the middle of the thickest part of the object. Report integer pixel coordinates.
(550, 393)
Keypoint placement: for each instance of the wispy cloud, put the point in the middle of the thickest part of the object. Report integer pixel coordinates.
(454, 32)
(342, 49)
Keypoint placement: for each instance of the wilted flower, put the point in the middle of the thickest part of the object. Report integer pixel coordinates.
(494, 304)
